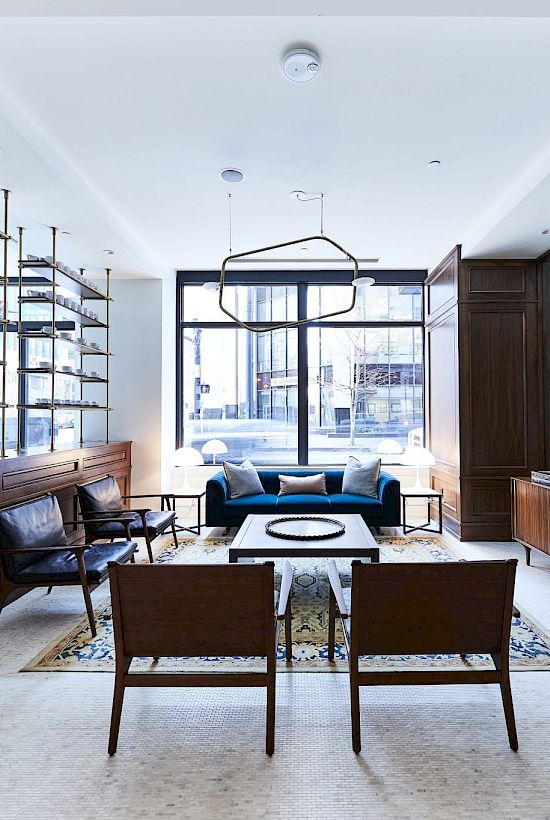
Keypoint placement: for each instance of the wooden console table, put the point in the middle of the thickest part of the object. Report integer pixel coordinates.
(531, 516)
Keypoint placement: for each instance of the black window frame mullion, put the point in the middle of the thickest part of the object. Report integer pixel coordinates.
(302, 378)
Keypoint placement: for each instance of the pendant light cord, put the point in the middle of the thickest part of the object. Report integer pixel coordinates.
(230, 224)
(322, 213)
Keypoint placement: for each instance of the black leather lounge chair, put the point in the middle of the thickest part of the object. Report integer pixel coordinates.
(34, 552)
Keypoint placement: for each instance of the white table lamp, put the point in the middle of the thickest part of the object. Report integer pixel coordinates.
(187, 457)
(417, 457)
(389, 447)
(213, 448)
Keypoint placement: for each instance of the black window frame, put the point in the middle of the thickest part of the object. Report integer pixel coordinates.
(301, 279)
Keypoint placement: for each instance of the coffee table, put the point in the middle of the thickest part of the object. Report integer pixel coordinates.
(252, 541)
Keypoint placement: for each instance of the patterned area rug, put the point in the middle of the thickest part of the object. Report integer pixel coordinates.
(77, 651)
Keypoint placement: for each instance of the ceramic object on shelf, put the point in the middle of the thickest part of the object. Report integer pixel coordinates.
(65, 334)
(80, 372)
(60, 300)
(81, 340)
(95, 345)
(66, 368)
(32, 258)
(94, 374)
(42, 401)
(44, 363)
(48, 329)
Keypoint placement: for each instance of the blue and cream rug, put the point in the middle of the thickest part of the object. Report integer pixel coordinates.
(78, 651)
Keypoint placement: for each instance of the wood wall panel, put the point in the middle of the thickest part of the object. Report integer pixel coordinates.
(443, 281)
(442, 394)
(495, 380)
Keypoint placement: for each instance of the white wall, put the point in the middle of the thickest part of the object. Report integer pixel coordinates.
(136, 376)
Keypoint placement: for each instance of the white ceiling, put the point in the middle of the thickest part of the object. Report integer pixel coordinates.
(115, 128)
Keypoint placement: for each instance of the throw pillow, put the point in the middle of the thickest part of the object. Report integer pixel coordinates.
(361, 478)
(243, 479)
(299, 485)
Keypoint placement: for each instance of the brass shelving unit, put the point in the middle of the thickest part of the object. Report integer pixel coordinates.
(34, 273)
(5, 239)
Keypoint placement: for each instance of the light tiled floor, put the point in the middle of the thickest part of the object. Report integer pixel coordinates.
(428, 752)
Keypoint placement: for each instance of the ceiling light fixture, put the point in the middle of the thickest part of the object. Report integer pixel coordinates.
(301, 65)
(255, 328)
(435, 163)
(108, 251)
(232, 175)
(545, 231)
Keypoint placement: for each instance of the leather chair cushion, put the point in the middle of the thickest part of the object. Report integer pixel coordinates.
(156, 522)
(36, 523)
(62, 565)
(100, 495)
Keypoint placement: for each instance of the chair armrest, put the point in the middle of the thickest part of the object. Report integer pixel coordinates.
(387, 483)
(71, 547)
(286, 583)
(335, 583)
(124, 520)
(146, 495)
(114, 513)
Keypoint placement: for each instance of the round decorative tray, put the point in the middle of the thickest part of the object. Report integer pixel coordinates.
(306, 528)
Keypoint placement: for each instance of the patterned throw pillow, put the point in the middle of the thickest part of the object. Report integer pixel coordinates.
(243, 479)
(299, 485)
(361, 478)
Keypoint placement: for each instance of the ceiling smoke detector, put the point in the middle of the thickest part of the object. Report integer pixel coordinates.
(301, 65)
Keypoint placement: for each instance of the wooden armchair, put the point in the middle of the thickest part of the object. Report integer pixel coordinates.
(34, 552)
(192, 611)
(101, 499)
(458, 608)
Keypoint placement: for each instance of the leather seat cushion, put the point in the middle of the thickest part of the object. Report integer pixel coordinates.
(36, 523)
(62, 566)
(156, 522)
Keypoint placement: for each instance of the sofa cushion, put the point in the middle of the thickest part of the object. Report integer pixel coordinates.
(362, 504)
(256, 504)
(303, 484)
(303, 503)
(361, 477)
(243, 479)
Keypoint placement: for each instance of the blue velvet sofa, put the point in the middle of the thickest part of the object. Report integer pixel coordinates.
(221, 511)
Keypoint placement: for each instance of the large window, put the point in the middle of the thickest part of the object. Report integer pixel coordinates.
(308, 395)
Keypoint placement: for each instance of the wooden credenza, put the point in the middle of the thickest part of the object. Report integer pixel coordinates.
(27, 476)
(531, 515)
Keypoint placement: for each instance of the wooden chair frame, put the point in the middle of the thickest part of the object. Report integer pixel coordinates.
(155, 574)
(500, 674)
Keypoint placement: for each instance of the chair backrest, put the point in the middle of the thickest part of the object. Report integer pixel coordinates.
(193, 610)
(36, 523)
(433, 608)
(98, 496)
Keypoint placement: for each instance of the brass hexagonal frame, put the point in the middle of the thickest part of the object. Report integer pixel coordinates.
(255, 329)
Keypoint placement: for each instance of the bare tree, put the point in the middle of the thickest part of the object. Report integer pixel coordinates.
(357, 372)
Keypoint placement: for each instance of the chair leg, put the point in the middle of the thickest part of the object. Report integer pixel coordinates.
(174, 533)
(86, 593)
(355, 715)
(49, 590)
(270, 717)
(118, 698)
(508, 705)
(149, 547)
(288, 632)
(331, 624)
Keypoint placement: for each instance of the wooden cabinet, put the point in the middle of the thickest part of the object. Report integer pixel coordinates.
(531, 515)
(484, 388)
(24, 477)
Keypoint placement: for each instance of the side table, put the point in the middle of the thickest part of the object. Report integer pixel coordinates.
(427, 493)
(170, 498)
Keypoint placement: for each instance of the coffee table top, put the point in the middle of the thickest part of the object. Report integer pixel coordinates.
(252, 538)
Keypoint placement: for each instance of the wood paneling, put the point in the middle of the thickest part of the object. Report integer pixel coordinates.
(443, 285)
(488, 364)
(25, 477)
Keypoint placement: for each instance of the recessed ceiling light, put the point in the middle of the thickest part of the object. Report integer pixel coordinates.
(545, 231)
(108, 251)
(435, 163)
(232, 175)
